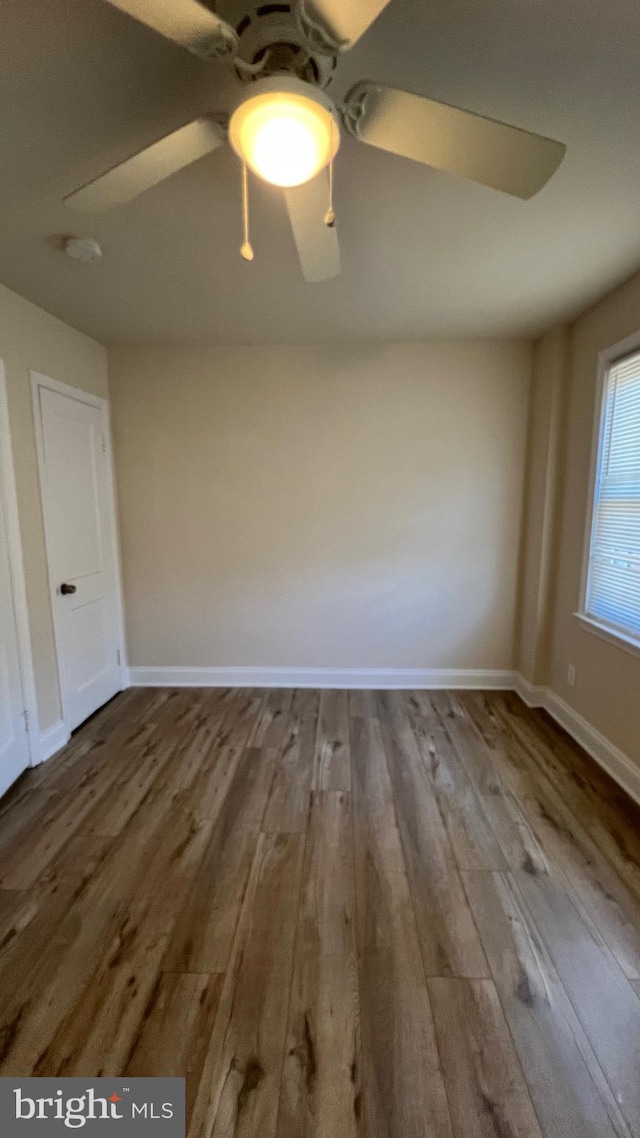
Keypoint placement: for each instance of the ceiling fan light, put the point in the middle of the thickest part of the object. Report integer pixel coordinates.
(286, 131)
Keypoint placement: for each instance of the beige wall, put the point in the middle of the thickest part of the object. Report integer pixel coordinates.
(327, 507)
(342, 507)
(607, 677)
(547, 423)
(30, 339)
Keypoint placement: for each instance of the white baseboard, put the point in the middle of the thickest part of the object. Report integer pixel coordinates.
(530, 694)
(621, 768)
(382, 678)
(49, 742)
(614, 761)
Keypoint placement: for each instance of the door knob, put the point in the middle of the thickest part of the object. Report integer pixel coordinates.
(67, 589)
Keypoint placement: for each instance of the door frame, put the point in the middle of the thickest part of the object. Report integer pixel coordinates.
(39, 381)
(18, 580)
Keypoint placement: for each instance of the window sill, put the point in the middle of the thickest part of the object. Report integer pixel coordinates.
(622, 640)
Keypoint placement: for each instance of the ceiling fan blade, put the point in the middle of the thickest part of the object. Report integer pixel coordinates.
(316, 242)
(185, 22)
(460, 142)
(340, 24)
(150, 166)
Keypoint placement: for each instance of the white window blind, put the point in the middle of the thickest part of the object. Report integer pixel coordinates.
(613, 580)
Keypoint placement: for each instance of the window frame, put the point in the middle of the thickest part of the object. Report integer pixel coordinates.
(614, 634)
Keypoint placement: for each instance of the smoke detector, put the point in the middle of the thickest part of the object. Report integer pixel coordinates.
(83, 249)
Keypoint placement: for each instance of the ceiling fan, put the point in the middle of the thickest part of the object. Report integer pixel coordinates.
(287, 130)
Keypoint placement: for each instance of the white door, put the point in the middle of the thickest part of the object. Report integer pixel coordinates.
(14, 745)
(81, 550)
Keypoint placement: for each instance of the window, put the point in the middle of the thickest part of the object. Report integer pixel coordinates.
(612, 593)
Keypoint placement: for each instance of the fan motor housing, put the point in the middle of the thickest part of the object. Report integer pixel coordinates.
(271, 40)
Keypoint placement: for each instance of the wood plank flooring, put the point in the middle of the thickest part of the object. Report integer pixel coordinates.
(337, 914)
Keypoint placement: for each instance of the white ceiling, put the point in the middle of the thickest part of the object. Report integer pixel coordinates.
(425, 255)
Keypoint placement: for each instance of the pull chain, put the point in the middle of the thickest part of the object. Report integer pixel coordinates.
(330, 215)
(246, 249)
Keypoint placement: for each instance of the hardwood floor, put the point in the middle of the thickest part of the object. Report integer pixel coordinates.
(339, 915)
